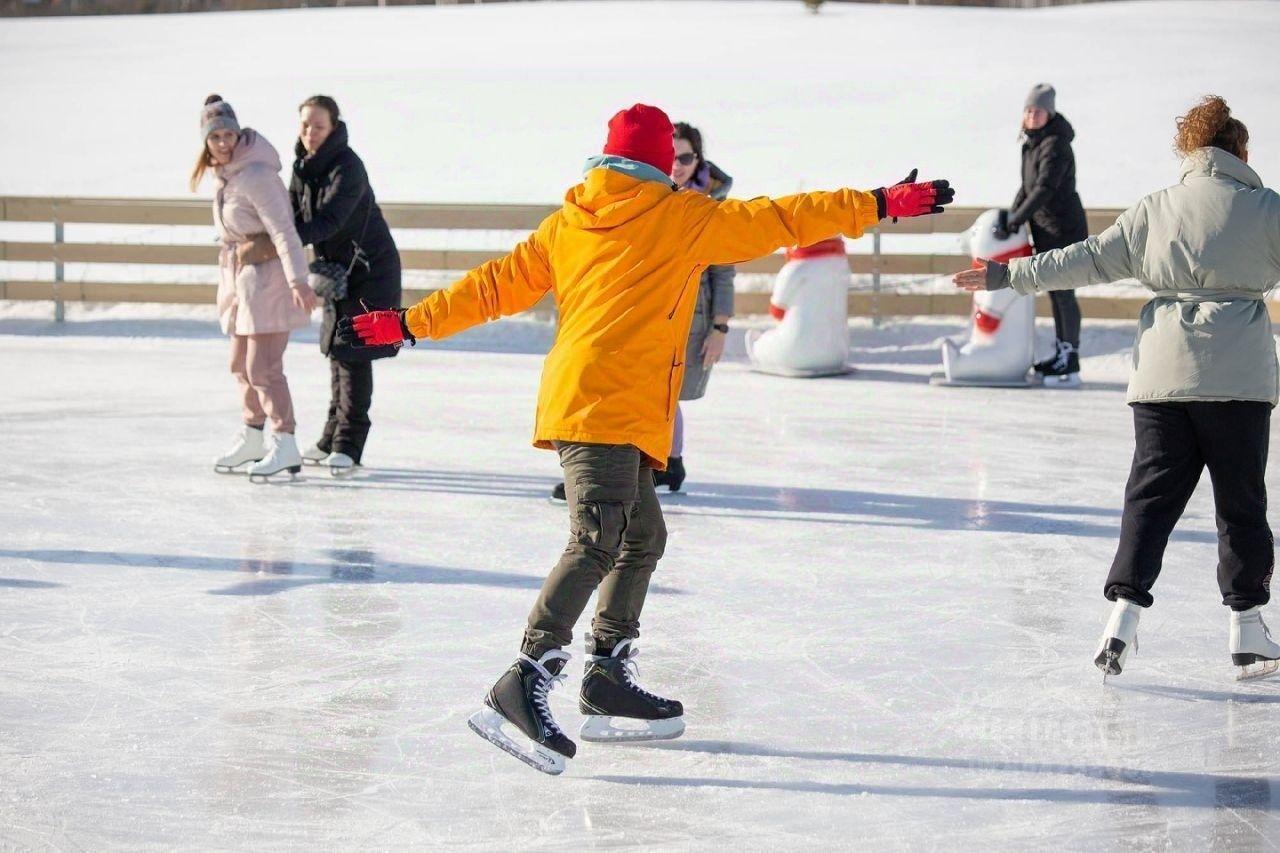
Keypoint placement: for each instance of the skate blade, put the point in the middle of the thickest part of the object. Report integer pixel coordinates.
(488, 724)
(597, 728)
(1260, 668)
(264, 479)
(343, 473)
(1112, 657)
(1058, 384)
(235, 469)
(306, 461)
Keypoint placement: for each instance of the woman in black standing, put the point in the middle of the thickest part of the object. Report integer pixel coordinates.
(337, 214)
(1049, 204)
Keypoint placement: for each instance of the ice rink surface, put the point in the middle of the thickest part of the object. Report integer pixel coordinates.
(879, 605)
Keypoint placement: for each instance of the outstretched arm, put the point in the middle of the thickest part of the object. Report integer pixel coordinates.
(498, 288)
(1097, 260)
(734, 231)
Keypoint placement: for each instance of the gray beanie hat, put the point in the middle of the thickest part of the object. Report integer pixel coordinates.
(217, 115)
(1042, 95)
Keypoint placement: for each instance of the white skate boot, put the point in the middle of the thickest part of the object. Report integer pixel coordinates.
(282, 455)
(1252, 648)
(246, 447)
(1120, 638)
(313, 455)
(341, 465)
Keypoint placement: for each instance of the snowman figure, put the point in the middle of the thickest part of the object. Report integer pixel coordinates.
(810, 300)
(1001, 343)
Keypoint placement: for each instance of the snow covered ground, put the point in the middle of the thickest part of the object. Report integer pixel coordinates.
(502, 102)
(879, 605)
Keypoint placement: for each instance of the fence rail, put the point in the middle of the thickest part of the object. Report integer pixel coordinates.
(60, 212)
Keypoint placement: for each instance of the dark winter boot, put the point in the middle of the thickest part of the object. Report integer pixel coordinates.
(617, 708)
(520, 698)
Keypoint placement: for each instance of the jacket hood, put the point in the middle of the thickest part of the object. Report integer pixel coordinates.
(607, 198)
(253, 149)
(1056, 126)
(323, 159)
(1215, 162)
(721, 182)
(712, 180)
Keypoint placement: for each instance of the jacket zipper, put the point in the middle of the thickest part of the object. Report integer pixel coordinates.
(683, 288)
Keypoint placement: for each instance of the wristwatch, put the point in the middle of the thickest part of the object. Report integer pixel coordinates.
(722, 328)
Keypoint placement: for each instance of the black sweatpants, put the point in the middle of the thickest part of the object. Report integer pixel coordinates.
(1066, 316)
(350, 395)
(1174, 442)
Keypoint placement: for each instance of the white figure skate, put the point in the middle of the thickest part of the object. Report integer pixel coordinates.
(1252, 648)
(1119, 639)
(246, 447)
(282, 455)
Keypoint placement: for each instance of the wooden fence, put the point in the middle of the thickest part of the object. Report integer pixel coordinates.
(60, 212)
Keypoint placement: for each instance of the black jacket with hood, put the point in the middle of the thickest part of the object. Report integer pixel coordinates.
(1048, 199)
(336, 213)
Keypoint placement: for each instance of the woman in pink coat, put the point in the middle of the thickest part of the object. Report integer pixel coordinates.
(258, 303)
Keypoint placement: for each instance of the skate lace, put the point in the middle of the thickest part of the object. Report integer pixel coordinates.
(631, 672)
(541, 693)
(1064, 356)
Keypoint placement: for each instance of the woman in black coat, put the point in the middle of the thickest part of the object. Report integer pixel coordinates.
(337, 214)
(1048, 203)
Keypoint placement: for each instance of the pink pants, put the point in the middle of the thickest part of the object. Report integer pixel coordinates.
(257, 362)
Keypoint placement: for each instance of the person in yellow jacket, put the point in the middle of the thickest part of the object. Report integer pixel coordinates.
(623, 257)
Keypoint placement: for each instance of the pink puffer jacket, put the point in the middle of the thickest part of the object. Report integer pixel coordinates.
(250, 199)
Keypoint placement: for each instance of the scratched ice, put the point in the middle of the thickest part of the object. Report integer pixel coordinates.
(879, 605)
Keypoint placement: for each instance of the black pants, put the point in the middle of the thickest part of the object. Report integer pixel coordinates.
(1066, 316)
(1174, 442)
(350, 395)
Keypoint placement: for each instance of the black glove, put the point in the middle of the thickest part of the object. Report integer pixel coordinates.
(346, 333)
(1002, 231)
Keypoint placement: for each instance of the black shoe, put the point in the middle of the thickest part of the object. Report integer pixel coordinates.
(609, 687)
(673, 477)
(521, 697)
(557, 494)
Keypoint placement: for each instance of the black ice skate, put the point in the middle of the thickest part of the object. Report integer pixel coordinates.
(519, 698)
(617, 708)
(1063, 370)
(673, 477)
(558, 495)
(1044, 364)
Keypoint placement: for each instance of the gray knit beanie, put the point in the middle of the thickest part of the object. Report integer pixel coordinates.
(216, 114)
(1042, 95)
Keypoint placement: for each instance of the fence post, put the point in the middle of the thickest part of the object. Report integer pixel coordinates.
(59, 309)
(875, 277)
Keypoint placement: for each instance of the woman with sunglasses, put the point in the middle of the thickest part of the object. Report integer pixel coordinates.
(693, 171)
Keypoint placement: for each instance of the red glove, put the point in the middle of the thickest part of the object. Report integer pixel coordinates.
(911, 199)
(378, 328)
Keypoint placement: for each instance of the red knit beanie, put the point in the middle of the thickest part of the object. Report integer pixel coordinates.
(642, 133)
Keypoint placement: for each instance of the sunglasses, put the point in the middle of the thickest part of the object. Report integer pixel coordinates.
(687, 159)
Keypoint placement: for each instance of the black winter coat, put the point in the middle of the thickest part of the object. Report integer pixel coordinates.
(1048, 199)
(336, 213)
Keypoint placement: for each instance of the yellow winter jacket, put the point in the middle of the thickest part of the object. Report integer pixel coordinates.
(624, 256)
